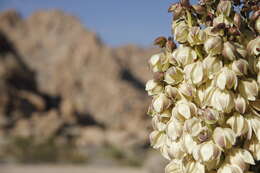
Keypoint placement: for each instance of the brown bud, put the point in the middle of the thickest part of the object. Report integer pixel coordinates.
(173, 7)
(170, 45)
(160, 41)
(199, 9)
(237, 20)
(185, 3)
(218, 27)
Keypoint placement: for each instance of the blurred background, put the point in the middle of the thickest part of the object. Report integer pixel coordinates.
(72, 79)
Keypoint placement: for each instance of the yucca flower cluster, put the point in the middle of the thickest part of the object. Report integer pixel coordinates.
(206, 108)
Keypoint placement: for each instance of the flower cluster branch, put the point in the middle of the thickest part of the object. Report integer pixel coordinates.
(206, 108)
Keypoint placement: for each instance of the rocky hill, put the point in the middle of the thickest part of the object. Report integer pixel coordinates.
(59, 81)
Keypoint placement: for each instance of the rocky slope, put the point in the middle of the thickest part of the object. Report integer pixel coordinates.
(58, 80)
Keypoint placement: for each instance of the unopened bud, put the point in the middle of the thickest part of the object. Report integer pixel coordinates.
(161, 103)
(160, 41)
(238, 124)
(226, 79)
(170, 45)
(224, 137)
(213, 45)
(218, 27)
(237, 20)
(173, 75)
(229, 51)
(193, 126)
(224, 7)
(240, 104)
(153, 87)
(185, 3)
(240, 158)
(248, 89)
(172, 92)
(240, 67)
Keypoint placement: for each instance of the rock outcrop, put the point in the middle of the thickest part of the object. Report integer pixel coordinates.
(59, 80)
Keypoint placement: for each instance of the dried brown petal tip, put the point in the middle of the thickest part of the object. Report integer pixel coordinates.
(218, 27)
(160, 41)
(185, 3)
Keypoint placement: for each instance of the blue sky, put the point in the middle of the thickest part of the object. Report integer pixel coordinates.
(117, 22)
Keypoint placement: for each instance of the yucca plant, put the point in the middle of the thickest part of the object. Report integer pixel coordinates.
(205, 91)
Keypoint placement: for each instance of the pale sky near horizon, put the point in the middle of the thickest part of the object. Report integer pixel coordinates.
(117, 22)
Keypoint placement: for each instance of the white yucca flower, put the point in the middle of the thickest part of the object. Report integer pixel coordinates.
(206, 106)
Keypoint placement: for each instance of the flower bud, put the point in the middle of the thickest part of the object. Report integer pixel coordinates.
(254, 126)
(195, 167)
(175, 166)
(204, 135)
(157, 139)
(240, 50)
(229, 51)
(240, 104)
(206, 151)
(172, 92)
(184, 55)
(237, 20)
(222, 19)
(174, 129)
(210, 116)
(188, 143)
(153, 87)
(229, 168)
(173, 75)
(224, 7)
(159, 62)
(213, 45)
(222, 100)
(224, 137)
(253, 46)
(161, 103)
(241, 158)
(193, 126)
(195, 73)
(254, 146)
(158, 124)
(226, 79)
(187, 90)
(184, 110)
(160, 41)
(240, 67)
(185, 3)
(248, 89)
(212, 65)
(175, 150)
(196, 36)
(170, 45)
(238, 124)
(180, 31)
(204, 93)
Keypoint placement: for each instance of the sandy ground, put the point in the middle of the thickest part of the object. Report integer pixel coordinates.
(66, 169)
